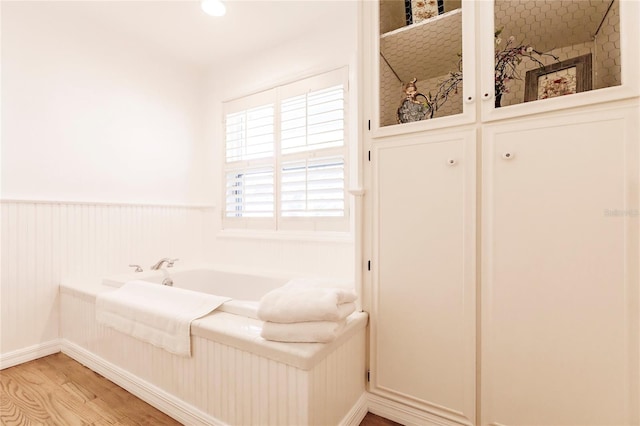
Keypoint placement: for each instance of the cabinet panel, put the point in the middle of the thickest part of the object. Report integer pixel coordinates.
(423, 325)
(560, 289)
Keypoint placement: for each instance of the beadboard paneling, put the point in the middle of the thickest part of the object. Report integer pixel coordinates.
(42, 242)
(230, 385)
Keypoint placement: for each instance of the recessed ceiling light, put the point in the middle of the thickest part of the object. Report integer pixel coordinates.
(213, 7)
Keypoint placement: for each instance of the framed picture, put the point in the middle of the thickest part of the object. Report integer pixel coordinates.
(559, 79)
(421, 10)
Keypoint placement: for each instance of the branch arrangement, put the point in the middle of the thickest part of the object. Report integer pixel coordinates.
(507, 60)
(444, 89)
(509, 57)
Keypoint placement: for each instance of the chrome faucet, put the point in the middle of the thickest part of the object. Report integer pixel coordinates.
(162, 261)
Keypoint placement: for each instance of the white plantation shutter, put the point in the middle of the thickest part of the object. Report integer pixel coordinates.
(312, 121)
(250, 134)
(313, 188)
(249, 175)
(249, 193)
(285, 156)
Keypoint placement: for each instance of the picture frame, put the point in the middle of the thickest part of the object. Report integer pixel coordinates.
(562, 78)
(420, 10)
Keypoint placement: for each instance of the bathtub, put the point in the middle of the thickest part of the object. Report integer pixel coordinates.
(245, 289)
(234, 377)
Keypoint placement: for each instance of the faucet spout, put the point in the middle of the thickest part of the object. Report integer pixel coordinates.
(162, 261)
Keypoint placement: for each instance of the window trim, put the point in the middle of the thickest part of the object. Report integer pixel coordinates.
(276, 95)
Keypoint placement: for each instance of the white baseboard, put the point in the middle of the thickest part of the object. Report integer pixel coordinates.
(404, 414)
(29, 354)
(188, 414)
(357, 412)
(153, 395)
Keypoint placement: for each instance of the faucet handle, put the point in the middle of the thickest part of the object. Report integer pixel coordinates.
(170, 262)
(138, 268)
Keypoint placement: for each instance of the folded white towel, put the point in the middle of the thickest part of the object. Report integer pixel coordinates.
(157, 314)
(299, 303)
(302, 332)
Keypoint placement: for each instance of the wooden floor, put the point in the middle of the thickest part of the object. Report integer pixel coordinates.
(373, 420)
(56, 390)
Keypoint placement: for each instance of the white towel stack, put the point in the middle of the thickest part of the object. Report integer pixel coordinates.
(306, 310)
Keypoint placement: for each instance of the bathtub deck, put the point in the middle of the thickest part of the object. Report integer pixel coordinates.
(233, 376)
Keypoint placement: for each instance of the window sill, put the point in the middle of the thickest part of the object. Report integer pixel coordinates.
(332, 237)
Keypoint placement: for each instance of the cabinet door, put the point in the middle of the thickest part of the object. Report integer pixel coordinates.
(541, 56)
(560, 271)
(423, 319)
(414, 61)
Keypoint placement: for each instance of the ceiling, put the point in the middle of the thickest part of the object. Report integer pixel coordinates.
(180, 29)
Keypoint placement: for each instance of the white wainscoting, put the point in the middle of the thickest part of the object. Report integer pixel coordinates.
(41, 242)
(220, 384)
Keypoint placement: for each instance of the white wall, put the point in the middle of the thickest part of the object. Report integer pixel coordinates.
(99, 132)
(90, 115)
(301, 57)
(95, 126)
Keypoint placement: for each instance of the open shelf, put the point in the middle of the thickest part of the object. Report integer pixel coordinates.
(424, 50)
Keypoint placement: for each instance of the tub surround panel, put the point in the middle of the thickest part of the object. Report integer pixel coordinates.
(225, 380)
(159, 399)
(329, 257)
(42, 242)
(169, 404)
(233, 330)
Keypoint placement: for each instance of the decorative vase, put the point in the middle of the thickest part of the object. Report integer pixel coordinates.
(411, 109)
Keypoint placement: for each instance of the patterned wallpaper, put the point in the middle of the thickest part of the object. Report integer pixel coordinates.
(392, 15)
(606, 53)
(391, 96)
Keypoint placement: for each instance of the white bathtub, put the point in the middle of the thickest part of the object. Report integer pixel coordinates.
(234, 377)
(244, 288)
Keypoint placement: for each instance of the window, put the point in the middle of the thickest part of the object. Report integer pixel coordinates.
(285, 157)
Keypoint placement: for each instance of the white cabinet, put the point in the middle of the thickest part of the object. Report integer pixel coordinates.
(504, 287)
(560, 271)
(423, 333)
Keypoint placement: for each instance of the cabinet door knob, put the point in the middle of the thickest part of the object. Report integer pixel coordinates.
(507, 155)
(468, 99)
(451, 162)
